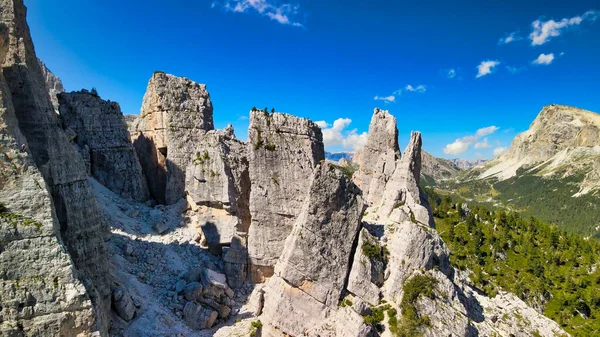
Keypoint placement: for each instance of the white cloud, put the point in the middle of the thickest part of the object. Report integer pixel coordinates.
(337, 135)
(544, 59)
(462, 144)
(322, 124)
(543, 31)
(387, 99)
(419, 88)
(282, 13)
(483, 144)
(486, 67)
(408, 88)
(451, 73)
(486, 131)
(512, 37)
(499, 150)
(515, 70)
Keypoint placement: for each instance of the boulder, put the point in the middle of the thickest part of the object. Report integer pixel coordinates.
(235, 263)
(123, 304)
(199, 317)
(176, 113)
(283, 151)
(192, 291)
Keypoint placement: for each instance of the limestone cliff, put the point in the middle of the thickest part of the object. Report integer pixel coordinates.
(283, 151)
(377, 159)
(312, 270)
(217, 179)
(78, 219)
(41, 295)
(175, 115)
(98, 129)
(562, 141)
(53, 84)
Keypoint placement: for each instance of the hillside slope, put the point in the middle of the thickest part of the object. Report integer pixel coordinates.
(551, 171)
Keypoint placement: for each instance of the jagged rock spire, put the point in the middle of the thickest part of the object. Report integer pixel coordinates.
(377, 160)
(312, 270)
(283, 151)
(176, 113)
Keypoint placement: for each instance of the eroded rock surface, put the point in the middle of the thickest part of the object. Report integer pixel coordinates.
(72, 216)
(176, 113)
(377, 159)
(53, 84)
(41, 295)
(283, 151)
(98, 128)
(217, 177)
(311, 273)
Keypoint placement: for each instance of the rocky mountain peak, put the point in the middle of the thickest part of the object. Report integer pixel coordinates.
(377, 159)
(556, 128)
(561, 140)
(176, 113)
(53, 84)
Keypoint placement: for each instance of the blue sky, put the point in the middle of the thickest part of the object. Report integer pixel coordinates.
(440, 67)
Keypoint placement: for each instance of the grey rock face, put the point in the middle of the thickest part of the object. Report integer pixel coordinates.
(402, 197)
(235, 263)
(217, 177)
(123, 304)
(53, 84)
(434, 169)
(366, 275)
(80, 221)
(312, 270)
(32, 252)
(98, 127)
(283, 151)
(199, 317)
(377, 160)
(176, 113)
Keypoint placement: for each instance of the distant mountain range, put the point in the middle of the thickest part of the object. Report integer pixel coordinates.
(464, 164)
(434, 169)
(336, 156)
(551, 171)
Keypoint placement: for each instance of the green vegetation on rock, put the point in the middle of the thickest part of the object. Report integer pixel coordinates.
(548, 268)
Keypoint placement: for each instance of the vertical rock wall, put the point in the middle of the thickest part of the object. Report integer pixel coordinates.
(283, 151)
(176, 113)
(377, 159)
(80, 221)
(313, 268)
(99, 129)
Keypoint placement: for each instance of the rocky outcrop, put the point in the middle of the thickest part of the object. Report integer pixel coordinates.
(417, 255)
(77, 219)
(175, 115)
(41, 295)
(402, 197)
(313, 268)
(435, 170)
(218, 177)
(377, 159)
(283, 151)
(53, 84)
(562, 141)
(97, 128)
(368, 267)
